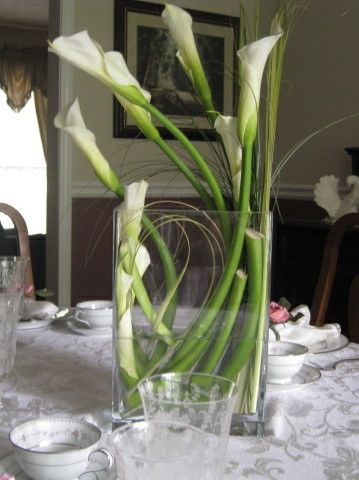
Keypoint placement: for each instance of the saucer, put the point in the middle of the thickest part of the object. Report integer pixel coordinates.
(329, 345)
(306, 376)
(81, 329)
(9, 465)
(31, 324)
(37, 323)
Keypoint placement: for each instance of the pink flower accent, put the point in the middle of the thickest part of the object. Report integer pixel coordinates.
(5, 476)
(28, 288)
(277, 313)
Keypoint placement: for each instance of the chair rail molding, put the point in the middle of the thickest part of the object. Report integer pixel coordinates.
(94, 190)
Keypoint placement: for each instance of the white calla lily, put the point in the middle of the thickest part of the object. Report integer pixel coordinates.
(226, 126)
(125, 333)
(179, 23)
(80, 50)
(132, 209)
(129, 226)
(253, 58)
(116, 67)
(71, 121)
(143, 259)
(133, 256)
(110, 68)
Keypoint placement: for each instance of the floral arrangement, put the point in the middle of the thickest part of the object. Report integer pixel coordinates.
(234, 185)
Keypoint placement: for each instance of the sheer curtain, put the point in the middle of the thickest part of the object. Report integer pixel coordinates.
(23, 81)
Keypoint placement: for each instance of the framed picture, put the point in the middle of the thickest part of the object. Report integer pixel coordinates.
(150, 53)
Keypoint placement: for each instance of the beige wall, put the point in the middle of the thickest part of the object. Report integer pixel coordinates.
(321, 86)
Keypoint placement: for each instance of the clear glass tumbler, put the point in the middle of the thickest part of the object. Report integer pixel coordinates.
(150, 450)
(202, 401)
(12, 277)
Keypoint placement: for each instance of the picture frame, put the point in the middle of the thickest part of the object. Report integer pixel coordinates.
(142, 37)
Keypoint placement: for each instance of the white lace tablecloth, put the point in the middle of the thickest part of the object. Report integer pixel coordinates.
(311, 433)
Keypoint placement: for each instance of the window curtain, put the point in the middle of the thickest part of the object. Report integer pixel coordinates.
(22, 71)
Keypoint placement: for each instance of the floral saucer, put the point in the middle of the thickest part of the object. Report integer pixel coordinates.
(82, 329)
(306, 376)
(95, 469)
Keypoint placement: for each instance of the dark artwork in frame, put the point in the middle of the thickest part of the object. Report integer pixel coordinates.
(150, 53)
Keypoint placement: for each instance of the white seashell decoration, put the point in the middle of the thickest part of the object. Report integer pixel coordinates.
(326, 196)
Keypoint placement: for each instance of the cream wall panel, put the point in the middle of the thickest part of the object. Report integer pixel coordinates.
(321, 86)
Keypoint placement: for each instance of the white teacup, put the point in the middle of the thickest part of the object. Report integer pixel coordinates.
(285, 359)
(94, 313)
(56, 448)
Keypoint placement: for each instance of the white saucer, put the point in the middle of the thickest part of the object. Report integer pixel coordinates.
(306, 376)
(9, 465)
(81, 329)
(330, 345)
(31, 324)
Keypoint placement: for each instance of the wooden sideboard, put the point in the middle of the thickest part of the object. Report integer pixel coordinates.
(297, 254)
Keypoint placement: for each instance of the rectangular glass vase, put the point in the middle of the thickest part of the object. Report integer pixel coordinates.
(191, 294)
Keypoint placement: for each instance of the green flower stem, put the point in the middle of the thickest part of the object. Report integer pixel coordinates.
(220, 344)
(248, 337)
(157, 358)
(187, 172)
(202, 165)
(168, 267)
(203, 90)
(129, 381)
(192, 346)
(142, 297)
(262, 323)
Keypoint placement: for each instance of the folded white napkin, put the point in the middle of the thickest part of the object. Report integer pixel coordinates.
(301, 332)
(38, 310)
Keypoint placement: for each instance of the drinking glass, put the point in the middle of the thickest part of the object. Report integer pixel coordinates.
(202, 401)
(12, 277)
(150, 450)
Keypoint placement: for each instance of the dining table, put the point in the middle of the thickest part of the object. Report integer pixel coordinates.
(311, 428)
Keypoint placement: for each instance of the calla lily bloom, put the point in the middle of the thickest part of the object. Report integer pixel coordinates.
(117, 69)
(71, 121)
(133, 256)
(226, 126)
(129, 225)
(132, 209)
(253, 58)
(84, 53)
(179, 23)
(125, 337)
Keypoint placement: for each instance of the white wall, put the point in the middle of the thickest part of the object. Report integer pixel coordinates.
(321, 85)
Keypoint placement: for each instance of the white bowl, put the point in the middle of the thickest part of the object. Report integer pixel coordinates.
(54, 448)
(94, 313)
(285, 359)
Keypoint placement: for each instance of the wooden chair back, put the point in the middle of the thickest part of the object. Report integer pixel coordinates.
(353, 310)
(24, 243)
(327, 273)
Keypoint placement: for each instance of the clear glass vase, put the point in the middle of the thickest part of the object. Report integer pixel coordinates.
(191, 294)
